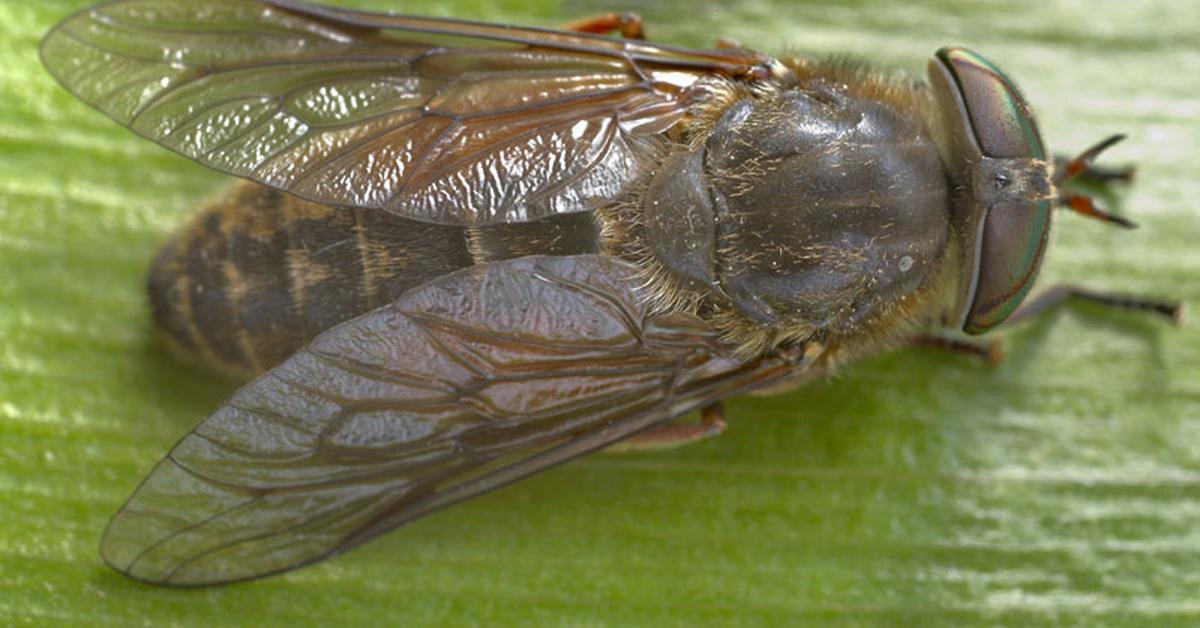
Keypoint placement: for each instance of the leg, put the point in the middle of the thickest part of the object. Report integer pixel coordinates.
(670, 435)
(1050, 299)
(1059, 295)
(629, 25)
(991, 351)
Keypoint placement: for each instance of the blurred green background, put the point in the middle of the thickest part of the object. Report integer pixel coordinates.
(1062, 488)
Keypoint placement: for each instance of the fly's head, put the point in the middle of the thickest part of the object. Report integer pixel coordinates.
(1005, 186)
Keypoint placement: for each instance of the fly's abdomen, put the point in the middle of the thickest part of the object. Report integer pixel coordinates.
(259, 273)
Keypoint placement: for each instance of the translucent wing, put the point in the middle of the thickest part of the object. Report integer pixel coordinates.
(462, 385)
(438, 120)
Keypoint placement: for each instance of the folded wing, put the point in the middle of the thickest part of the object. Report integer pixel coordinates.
(462, 385)
(439, 120)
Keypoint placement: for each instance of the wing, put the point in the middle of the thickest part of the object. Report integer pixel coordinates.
(462, 385)
(438, 120)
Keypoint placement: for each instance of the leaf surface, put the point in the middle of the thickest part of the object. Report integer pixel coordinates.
(1062, 488)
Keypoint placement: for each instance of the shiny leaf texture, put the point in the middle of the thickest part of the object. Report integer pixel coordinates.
(1062, 488)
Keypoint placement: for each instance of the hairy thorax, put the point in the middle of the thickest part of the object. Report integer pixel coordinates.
(815, 212)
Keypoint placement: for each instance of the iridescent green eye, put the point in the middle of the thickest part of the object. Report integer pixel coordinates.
(1000, 162)
(998, 117)
(1013, 241)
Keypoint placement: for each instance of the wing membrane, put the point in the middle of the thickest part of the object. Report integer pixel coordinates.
(438, 120)
(464, 384)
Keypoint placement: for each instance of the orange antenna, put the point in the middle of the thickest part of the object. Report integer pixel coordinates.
(1081, 168)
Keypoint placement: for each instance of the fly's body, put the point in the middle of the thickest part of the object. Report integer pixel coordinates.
(469, 252)
(258, 273)
(813, 210)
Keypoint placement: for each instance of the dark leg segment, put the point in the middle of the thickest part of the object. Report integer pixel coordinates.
(1059, 295)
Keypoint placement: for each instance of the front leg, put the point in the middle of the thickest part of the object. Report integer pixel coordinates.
(1057, 296)
(1049, 300)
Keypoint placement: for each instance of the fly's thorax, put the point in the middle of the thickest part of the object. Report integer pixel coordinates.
(813, 211)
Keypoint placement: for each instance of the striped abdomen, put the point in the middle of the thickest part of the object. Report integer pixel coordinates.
(259, 273)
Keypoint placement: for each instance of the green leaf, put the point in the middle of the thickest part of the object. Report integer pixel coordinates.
(1062, 488)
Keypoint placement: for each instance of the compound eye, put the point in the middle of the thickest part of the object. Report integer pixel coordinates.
(1000, 121)
(1013, 241)
(1009, 206)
